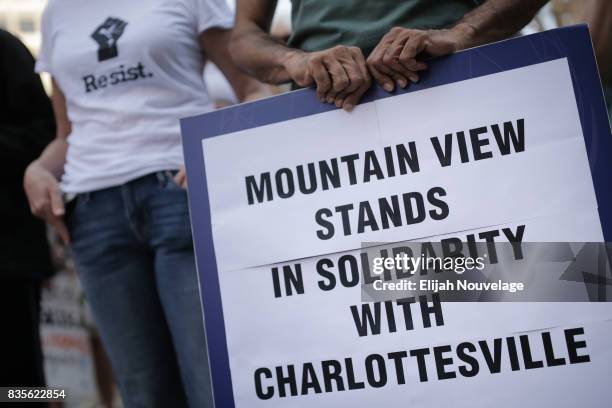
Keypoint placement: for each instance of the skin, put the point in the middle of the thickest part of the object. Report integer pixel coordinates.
(342, 74)
(41, 177)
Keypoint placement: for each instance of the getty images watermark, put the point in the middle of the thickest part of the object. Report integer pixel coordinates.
(487, 271)
(457, 264)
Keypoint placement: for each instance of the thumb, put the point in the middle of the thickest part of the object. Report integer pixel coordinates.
(180, 176)
(57, 204)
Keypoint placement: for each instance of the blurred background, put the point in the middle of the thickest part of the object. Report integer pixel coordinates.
(22, 18)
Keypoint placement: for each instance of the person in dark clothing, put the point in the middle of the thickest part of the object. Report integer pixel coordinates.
(26, 127)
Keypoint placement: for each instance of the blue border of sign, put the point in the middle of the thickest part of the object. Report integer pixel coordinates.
(571, 42)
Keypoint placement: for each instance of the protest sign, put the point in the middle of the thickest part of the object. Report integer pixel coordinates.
(507, 142)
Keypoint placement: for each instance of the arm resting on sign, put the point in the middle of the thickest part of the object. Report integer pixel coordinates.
(398, 57)
(339, 73)
(41, 177)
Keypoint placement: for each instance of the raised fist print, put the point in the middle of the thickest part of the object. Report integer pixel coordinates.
(106, 35)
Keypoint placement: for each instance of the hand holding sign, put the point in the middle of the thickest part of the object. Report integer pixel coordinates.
(339, 73)
(394, 60)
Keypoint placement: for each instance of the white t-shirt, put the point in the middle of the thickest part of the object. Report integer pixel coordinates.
(130, 69)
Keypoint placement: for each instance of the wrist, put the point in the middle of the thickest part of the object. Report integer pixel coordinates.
(292, 57)
(41, 165)
(465, 36)
(34, 166)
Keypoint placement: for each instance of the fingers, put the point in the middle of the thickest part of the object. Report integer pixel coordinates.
(339, 76)
(57, 204)
(60, 228)
(360, 82)
(321, 77)
(50, 208)
(181, 178)
(393, 61)
(355, 80)
(390, 77)
(390, 60)
(376, 67)
(339, 72)
(381, 78)
(41, 205)
(411, 48)
(45, 198)
(382, 60)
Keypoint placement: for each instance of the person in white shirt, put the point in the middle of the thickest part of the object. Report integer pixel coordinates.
(124, 73)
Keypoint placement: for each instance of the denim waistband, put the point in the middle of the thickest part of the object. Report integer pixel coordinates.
(162, 178)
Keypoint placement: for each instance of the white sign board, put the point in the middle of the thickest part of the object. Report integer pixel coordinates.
(496, 158)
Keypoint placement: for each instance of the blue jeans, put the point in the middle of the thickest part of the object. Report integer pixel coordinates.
(133, 251)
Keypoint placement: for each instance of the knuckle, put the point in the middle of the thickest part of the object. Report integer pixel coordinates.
(322, 87)
(350, 89)
(315, 60)
(409, 51)
(358, 81)
(377, 62)
(37, 208)
(405, 59)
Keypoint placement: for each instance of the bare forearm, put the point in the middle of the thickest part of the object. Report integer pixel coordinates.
(53, 157)
(214, 44)
(496, 20)
(261, 55)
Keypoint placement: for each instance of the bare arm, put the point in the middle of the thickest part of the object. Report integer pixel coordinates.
(394, 60)
(339, 73)
(214, 44)
(253, 48)
(599, 17)
(496, 20)
(53, 157)
(42, 175)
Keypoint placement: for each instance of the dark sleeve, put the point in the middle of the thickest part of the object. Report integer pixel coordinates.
(26, 117)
